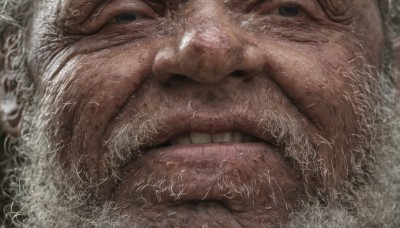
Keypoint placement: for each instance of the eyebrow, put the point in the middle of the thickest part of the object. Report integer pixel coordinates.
(69, 9)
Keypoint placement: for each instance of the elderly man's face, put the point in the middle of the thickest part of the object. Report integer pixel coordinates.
(205, 113)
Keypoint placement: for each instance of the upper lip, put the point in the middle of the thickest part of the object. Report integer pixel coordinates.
(182, 123)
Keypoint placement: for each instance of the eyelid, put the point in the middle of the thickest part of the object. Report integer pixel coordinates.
(309, 7)
(105, 13)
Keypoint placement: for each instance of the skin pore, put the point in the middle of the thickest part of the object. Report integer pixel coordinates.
(204, 113)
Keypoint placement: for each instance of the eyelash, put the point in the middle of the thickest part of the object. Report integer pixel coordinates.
(127, 17)
(283, 8)
(290, 10)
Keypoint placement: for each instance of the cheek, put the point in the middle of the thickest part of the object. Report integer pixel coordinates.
(318, 81)
(87, 95)
(371, 33)
(318, 86)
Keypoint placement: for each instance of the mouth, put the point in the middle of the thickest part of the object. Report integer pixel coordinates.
(183, 130)
(196, 138)
(233, 162)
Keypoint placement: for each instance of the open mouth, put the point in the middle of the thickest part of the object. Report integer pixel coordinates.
(209, 138)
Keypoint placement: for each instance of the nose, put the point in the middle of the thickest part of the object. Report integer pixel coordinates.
(208, 53)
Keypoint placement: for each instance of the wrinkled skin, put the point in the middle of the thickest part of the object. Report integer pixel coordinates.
(204, 66)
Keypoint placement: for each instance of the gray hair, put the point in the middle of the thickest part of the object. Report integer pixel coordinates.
(14, 17)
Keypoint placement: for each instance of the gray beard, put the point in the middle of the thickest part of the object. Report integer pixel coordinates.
(48, 197)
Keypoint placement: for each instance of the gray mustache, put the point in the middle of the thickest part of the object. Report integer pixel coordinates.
(128, 141)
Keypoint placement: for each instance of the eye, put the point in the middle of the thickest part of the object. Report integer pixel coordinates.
(289, 11)
(127, 17)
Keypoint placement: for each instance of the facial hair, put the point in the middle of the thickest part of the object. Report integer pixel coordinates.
(370, 197)
(47, 196)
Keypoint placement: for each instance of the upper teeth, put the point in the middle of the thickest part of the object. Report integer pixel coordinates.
(203, 138)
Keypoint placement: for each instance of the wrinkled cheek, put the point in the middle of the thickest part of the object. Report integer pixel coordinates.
(322, 89)
(85, 97)
(332, 108)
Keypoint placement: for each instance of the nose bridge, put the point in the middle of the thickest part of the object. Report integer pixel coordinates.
(210, 46)
(205, 36)
(209, 41)
(209, 26)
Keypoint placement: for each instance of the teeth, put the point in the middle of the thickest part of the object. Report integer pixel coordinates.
(222, 137)
(237, 137)
(200, 137)
(184, 140)
(205, 138)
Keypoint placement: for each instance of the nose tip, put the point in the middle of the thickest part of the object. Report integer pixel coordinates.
(208, 56)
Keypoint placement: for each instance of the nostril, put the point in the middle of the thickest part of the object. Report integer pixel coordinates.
(239, 74)
(176, 79)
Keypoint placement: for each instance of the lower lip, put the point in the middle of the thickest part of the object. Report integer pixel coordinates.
(196, 171)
